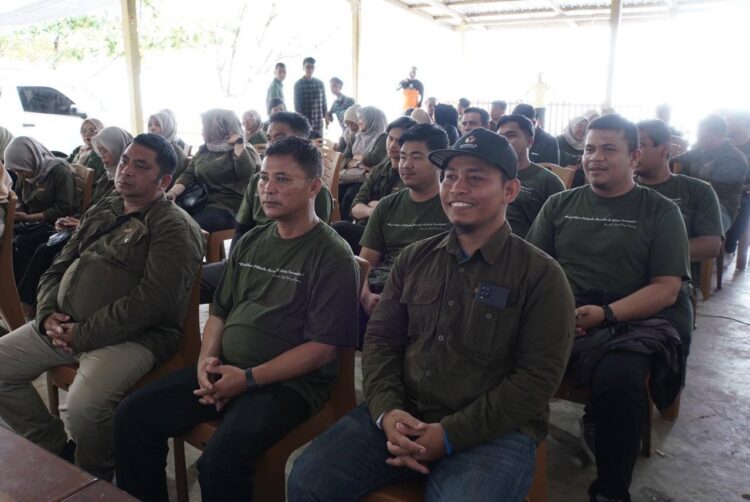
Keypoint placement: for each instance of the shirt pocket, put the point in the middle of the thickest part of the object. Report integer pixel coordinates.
(129, 247)
(422, 300)
(492, 332)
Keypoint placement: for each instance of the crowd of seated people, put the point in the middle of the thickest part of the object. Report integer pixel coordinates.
(488, 283)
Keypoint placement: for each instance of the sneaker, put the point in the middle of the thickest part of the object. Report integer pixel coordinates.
(68, 452)
(587, 437)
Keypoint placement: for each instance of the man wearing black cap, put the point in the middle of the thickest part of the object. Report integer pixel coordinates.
(461, 356)
(545, 147)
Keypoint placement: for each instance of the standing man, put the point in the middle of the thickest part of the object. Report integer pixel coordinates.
(413, 90)
(462, 355)
(310, 96)
(545, 147)
(624, 250)
(340, 105)
(537, 182)
(497, 110)
(276, 89)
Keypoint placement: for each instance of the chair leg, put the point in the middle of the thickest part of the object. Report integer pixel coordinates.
(538, 490)
(670, 414)
(719, 267)
(53, 397)
(180, 471)
(706, 276)
(742, 248)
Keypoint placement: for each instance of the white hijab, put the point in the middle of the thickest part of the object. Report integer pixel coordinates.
(375, 124)
(115, 140)
(168, 125)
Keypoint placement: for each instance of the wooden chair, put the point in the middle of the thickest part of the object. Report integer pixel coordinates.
(566, 174)
(414, 491)
(10, 303)
(270, 477)
(84, 177)
(215, 248)
(61, 377)
(331, 172)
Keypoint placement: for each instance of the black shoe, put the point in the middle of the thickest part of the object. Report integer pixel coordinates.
(68, 452)
(602, 498)
(587, 437)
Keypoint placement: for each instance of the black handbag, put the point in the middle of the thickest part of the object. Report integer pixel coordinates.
(27, 227)
(194, 198)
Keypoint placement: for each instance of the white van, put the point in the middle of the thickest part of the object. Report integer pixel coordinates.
(42, 112)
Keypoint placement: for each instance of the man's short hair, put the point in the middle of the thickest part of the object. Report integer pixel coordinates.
(464, 102)
(337, 81)
(280, 66)
(523, 122)
(714, 124)
(526, 110)
(615, 122)
(657, 130)
(503, 105)
(401, 123)
(433, 136)
(303, 151)
(166, 158)
(297, 122)
(308, 60)
(483, 114)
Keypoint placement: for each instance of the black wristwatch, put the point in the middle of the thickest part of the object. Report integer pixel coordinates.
(609, 317)
(251, 383)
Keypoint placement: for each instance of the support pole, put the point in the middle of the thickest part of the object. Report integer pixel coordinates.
(615, 14)
(356, 45)
(133, 63)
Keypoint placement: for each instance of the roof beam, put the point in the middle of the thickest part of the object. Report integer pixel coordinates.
(416, 11)
(556, 7)
(452, 13)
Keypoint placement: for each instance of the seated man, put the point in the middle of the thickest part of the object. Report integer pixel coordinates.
(251, 214)
(286, 301)
(719, 163)
(474, 118)
(383, 180)
(695, 198)
(462, 355)
(545, 147)
(537, 182)
(112, 302)
(406, 216)
(624, 250)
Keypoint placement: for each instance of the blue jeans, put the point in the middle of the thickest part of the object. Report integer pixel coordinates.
(348, 461)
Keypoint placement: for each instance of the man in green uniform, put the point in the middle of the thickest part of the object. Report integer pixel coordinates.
(462, 354)
(112, 303)
(695, 198)
(406, 216)
(537, 183)
(286, 301)
(624, 250)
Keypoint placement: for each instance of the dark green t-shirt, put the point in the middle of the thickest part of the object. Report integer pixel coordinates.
(251, 211)
(610, 247)
(537, 184)
(276, 294)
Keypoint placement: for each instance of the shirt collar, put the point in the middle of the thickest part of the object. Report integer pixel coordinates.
(118, 205)
(489, 251)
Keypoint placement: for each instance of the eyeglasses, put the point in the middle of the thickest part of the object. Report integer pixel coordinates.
(88, 130)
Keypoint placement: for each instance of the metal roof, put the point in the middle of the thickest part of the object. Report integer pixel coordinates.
(487, 14)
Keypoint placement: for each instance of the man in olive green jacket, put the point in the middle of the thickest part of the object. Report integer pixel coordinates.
(112, 303)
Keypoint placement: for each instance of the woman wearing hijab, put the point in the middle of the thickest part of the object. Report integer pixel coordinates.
(223, 166)
(5, 138)
(163, 124)
(252, 123)
(571, 144)
(351, 128)
(5, 188)
(109, 144)
(446, 116)
(85, 154)
(46, 192)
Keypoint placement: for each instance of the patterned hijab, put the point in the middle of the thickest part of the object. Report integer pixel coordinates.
(115, 140)
(27, 155)
(218, 126)
(375, 124)
(85, 150)
(167, 123)
(5, 138)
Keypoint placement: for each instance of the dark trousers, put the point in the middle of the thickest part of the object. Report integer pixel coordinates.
(347, 193)
(37, 266)
(24, 245)
(618, 405)
(351, 232)
(250, 425)
(213, 219)
(738, 228)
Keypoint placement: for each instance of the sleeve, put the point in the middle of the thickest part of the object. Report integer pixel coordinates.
(297, 97)
(545, 337)
(188, 175)
(334, 304)
(669, 252)
(174, 255)
(707, 215)
(542, 231)
(376, 153)
(551, 152)
(245, 213)
(373, 237)
(386, 339)
(324, 204)
(243, 165)
(553, 184)
(64, 187)
(364, 195)
(224, 295)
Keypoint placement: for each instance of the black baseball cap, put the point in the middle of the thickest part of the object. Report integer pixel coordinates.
(484, 144)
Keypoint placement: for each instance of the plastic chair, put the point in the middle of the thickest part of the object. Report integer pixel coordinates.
(10, 303)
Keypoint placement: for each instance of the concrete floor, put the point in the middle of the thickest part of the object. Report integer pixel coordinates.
(702, 457)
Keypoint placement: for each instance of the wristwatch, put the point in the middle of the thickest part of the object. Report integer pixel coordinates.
(251, 384)
(609, 317)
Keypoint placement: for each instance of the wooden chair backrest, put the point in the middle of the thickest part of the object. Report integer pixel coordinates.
(10, 302)
(331, 172)
(566, 174)
(84, 177)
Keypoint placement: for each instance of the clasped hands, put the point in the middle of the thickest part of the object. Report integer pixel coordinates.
(219, 383)
(58, 327)
(412, 442)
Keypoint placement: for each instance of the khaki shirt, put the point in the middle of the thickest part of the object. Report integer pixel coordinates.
(434, 349)
(383, 180)
(125, 277)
